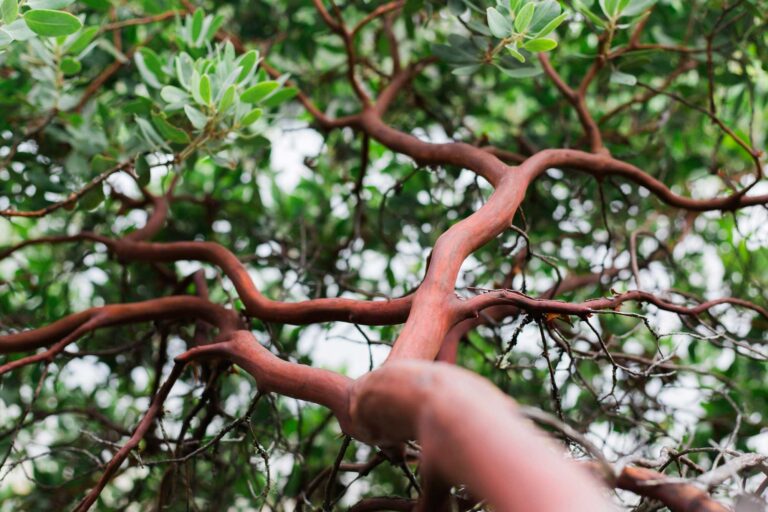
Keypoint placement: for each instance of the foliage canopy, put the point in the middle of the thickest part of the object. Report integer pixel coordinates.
(238, 121)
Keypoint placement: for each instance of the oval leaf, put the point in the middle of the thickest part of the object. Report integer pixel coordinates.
(552, 25)
(617, 77)
(205, 89)
(168, 131)
(540, 45)
(172, 94)
(515, 53)
(143, 170)
(150, 67)
(466, 70)
(523, 18)
(5, 38)
(49, 23)
(197, 118)
(227, 99)
(247, 63)
(251, 117)
(70, 66)
(498, 23)
(9, 10)
(82, 40)
(93, 198)
(281, 96)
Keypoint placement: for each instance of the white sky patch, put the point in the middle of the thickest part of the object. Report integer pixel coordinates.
(290, 146)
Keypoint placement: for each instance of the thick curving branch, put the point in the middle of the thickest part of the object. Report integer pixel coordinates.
(470, 433)
(272, 374)
(62, 333)
(577, 98)
(434, 308)
(437, 404)
(309, 311)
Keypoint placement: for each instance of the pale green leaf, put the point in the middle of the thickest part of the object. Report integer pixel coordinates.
(515, 53)
(618, 77)
(174, 95)
(48, 4)
(197, 118)
(523, 18)
(9, 10)
(498, 23)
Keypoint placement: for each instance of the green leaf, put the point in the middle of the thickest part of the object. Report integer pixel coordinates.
(197, 24)
(168, 131)
(540, 45)
(609, 7)
(49, 4)
(259, 91)
(93, 198)
(143, 170)
(174, 95)
(82, 40)
(456, 7)
(197, 118)
(281, 96)
(5, 38)
(636, 7)
(227, 99)
(515, 53)
(18, 30)
(70, 66)
(552, 25)
(9, 10)
(139, 105)
(466, 70)
(150, 67)
(545, 12)
(194, 87)
(205, 89)
(214, 27)
(521, 72)
(523, 18)
(617, 77)
(99, 5)
(150, 134)
(184, 70)
(594, 18)
(101, 163)
(498, 23)
(251, 117)
(514, 5)
(49, 23)
(247, 62)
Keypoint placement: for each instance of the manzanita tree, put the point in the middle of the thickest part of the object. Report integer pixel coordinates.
(402, 255)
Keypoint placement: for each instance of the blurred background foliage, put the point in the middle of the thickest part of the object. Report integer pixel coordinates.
(312, 218)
